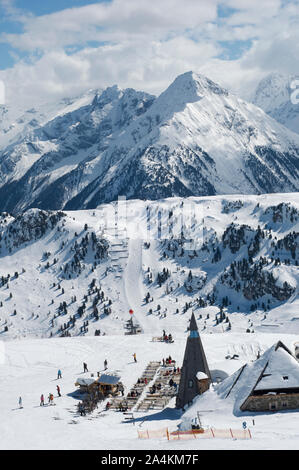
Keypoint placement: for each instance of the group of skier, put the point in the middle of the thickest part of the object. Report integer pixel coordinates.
(81, 406)
(50, 396)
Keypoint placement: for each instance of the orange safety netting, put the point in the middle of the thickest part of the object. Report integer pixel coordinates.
(184, 435)
(153, 434)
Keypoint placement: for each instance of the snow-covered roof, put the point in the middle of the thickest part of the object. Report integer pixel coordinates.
(86, 382)
(218, 375)
(282, 371)
(109, 379)
(266, 373)
(201, 375)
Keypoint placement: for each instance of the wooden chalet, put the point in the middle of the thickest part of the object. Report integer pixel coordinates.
(104, 385)
(277, 386)
(270, 383)
(86, 385)
(109, 384)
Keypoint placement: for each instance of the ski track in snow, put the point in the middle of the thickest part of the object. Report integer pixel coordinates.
(133, 275)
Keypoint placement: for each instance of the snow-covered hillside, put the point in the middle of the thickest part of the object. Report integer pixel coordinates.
(232, 260)
(274, 96)
(194, 139)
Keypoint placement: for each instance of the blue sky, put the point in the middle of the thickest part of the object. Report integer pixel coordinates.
(61, 47)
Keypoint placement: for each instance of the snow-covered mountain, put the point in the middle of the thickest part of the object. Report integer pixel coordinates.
(72, 273)
(194, 139)
(17, 122)
(274, 96)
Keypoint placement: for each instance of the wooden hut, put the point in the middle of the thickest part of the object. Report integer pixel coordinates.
(109, 384)
(85, 384)
(104, 385)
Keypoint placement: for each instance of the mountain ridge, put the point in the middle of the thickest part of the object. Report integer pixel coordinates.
(274, 95)
(195, 139)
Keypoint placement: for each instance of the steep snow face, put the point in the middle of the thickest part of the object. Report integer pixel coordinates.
(16, 122)
(194, 139)
(274, 96)
(272, 91)
(187, 88)
(20, 146)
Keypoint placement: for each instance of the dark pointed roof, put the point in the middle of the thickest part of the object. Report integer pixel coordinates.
(193, 324)
(194, 361)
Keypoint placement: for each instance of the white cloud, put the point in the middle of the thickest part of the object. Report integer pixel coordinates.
(146, 44)
(9, 10)
(147, 66)
(116, 21)
(2, 92)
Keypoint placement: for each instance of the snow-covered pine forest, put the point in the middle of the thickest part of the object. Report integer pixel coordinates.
(234, 263)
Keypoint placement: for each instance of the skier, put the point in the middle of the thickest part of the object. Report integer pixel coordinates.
(51, 398)
(105, 364)
(81, 409)
(59, 375)
(58, 390)
(20, 402)
(134, 355)
(42, 400)
(85, 367)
